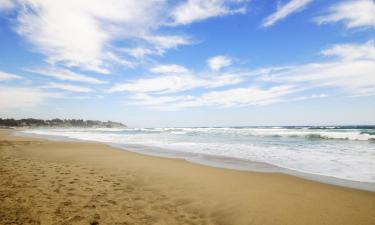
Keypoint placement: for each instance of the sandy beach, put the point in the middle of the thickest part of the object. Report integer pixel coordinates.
(60, 182)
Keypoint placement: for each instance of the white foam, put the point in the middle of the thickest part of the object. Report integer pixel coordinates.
(346, 155)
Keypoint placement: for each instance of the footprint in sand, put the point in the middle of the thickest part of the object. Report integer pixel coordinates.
(112, 202)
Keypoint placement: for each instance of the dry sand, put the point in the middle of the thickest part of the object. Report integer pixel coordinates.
(50, 182)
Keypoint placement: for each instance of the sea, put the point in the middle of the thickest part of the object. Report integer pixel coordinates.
(342, 155)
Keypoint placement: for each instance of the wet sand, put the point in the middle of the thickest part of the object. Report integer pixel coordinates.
(56, 182)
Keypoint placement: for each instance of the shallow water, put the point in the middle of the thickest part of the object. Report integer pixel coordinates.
(340, 152)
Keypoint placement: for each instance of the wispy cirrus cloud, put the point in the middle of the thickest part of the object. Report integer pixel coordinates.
(172, 78)
(351, 70)
(65, 75)
(93, 34)
(234, 97)
(80, 33)
(169, 83)
(285, 10)
(153, 44)
(353, 13)
(362, 51)
(197, 10)
(345, 70)
(160, 102)
(68, 87)
(140, 52)
(4, 76)
(174, 83)
(169, 69)
(72, 33)
(218, 62)
(161, 43)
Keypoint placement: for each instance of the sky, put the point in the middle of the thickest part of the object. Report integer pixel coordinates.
(159, 63)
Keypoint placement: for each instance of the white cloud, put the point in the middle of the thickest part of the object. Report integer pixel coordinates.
(235, 97)
(4, 76)
(218, 62)
(115, 58)
(68, 87)
(354, 13)
(79, 33)
(159, 102)
(159, 84)
(175, 83)
(156, 45)
(246, 96)
(291, 7)
(19, 97)
(163, 43)
(66, 75)
(313, 96)
(351, 75)
(6, 5)
(225, 79)
(85, 34)
(169, 69)
(139, 52)
(364, 51)
(197, 10)
(352, 71)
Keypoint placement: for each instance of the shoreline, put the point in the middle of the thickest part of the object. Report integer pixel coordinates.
(54, 182)
(218, 162)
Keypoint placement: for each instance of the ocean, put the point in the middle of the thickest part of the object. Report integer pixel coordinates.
(342, 153)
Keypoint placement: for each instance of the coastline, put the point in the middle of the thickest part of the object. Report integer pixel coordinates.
(216, 161)
(55, 182)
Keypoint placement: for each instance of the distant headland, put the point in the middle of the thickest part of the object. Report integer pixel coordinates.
(30, 122)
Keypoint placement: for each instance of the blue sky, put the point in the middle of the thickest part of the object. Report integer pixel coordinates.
(189, 63)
